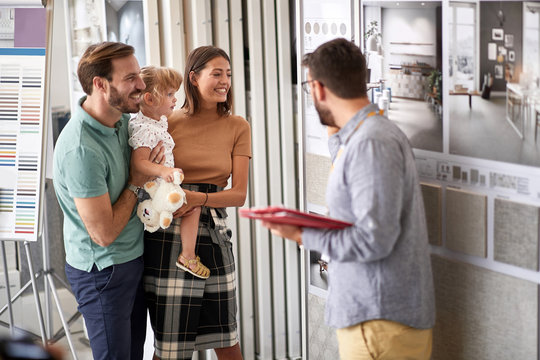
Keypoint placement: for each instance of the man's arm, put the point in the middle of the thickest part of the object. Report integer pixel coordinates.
(105, 221)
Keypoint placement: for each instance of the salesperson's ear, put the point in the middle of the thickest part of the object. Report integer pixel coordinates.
(318, 90)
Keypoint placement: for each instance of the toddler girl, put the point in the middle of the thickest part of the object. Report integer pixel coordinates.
(146, 130)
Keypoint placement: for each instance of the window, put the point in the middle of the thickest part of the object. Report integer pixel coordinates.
(462, 45)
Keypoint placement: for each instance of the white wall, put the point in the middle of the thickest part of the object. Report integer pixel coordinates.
(411, 26)
(59, 73)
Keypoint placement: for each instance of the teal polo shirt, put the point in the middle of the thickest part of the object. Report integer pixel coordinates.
(90, 160)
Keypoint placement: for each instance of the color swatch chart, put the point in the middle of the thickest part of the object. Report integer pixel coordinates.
(21, 129)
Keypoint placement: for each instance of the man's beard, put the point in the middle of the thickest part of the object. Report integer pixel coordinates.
(325, 116)
(122, 103)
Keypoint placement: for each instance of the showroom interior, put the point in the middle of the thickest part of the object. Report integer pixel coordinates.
(460, 78)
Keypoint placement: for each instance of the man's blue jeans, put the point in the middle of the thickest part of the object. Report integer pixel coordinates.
(112, 304)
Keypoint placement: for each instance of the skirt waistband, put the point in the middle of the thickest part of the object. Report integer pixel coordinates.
(205, 188)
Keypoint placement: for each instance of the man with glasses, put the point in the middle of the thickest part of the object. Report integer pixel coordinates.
(381, 297)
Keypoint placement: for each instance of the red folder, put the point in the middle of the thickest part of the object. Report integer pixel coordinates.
(282, 215)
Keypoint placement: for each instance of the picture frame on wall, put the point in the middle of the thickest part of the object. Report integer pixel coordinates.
(508, 40)
(497, 34)
(492, 51)
(498, 71)
(511, 56)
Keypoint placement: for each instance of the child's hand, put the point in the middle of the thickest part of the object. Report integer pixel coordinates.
(167, 173)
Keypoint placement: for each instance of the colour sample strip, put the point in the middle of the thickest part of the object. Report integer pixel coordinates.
(21, 129)
(516, 234)
(317, 171)
(482, 314)
(433, 209)
(466, 222)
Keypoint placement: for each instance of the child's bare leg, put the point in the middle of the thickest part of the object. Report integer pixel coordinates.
(188, 260)
(189, 226)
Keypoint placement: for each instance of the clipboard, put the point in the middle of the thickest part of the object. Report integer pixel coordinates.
(282, 215)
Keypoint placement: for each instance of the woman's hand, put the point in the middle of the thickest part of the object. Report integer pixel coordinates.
(192, 198)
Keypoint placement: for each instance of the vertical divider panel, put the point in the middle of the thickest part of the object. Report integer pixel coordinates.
(151, 32)
(260, 178)
(243, 230)
(199, 20)
(289, 188)
(277, 264)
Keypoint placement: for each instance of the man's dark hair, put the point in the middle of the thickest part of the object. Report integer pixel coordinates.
(340, 66)
(96, 61)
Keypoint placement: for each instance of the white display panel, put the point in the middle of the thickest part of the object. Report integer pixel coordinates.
(21, 139)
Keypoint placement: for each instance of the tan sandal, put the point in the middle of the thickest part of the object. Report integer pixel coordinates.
(193, 266)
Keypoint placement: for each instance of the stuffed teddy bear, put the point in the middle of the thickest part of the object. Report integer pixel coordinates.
(165, 198)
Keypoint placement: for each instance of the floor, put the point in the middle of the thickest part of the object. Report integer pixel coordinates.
(483, 132)
(418, 120)
(25, 317)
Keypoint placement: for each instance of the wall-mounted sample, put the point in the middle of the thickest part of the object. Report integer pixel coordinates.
(490, 121)
(466, 222)
(482, 314)
(432, 206)
(322, 339)
(405, 63)
(516, 233)
(317, 170)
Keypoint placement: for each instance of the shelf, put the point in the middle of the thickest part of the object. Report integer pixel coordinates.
(409, 43)
(409, 54)
(412, 66)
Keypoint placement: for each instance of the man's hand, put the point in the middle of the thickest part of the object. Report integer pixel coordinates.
(285, 231)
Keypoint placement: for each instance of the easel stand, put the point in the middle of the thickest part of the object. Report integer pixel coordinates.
(50, 289)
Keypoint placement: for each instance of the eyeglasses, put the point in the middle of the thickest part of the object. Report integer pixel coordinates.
(306, 87)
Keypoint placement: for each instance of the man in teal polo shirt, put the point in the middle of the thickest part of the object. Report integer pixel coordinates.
(97, 192)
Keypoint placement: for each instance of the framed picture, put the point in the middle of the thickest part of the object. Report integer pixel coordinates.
(497, 34)
(498, 70)
(511, 56)
(492, 51)
(508, 40)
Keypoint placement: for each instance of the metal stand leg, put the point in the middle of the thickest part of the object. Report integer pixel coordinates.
(36, 294)
(8, 290)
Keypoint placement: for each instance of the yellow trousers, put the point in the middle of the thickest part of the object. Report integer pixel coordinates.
(383, 339)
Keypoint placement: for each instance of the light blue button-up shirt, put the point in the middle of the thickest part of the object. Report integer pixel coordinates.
(91, 159)
(380, 267)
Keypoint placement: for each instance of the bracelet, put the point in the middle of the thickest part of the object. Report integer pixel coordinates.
(205, 200)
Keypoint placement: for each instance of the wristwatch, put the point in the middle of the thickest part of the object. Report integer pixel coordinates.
(136, 190)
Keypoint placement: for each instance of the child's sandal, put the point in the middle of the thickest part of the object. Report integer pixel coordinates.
(193, 266)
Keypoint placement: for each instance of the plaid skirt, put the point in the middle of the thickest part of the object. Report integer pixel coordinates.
(188, 313)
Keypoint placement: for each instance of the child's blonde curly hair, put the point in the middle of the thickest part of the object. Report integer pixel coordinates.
(158, 80)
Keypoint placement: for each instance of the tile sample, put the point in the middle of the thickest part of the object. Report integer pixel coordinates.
(322, 339)
(482, 314)
(466, 222)
(432, 205)
(317, 171)
(516, 234)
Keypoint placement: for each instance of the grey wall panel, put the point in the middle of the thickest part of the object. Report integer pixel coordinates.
(433, 208)
(466, 222)
(516, 234)
(482, 314)
(322, 343)
(317, 170)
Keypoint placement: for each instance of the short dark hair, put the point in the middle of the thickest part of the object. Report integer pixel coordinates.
(96, 61)
(196, 62)
(340, 66)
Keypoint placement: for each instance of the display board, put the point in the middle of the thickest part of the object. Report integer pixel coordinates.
(22, 85)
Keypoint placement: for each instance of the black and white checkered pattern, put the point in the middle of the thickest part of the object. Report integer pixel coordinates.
(188, 313)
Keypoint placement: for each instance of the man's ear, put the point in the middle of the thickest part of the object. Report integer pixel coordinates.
(100, 84)
(319, 91)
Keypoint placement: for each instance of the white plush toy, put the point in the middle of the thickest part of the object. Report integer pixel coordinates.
(165, 198)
